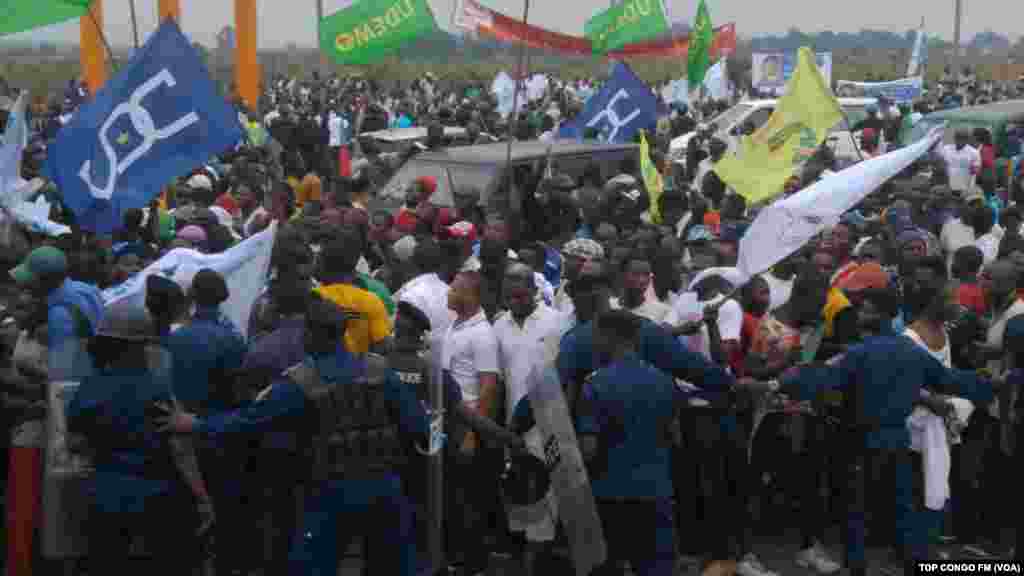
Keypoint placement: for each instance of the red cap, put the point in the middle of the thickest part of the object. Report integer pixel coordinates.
(464, 230)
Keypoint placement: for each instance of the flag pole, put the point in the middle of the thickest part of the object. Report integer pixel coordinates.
(135, 24)
(103, 37)
(513, 124)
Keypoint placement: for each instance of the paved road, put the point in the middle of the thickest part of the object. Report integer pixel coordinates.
(775, 546)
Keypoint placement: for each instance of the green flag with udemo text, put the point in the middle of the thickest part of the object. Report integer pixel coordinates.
(629, 22)
(22, 15)
(371, 29)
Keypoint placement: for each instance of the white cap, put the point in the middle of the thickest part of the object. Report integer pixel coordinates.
(200, 182)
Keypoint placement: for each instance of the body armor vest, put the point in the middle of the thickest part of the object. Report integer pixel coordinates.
(355, 431)
(413, 372)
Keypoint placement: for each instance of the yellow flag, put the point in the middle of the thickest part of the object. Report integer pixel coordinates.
(652, 179)
(802, 119)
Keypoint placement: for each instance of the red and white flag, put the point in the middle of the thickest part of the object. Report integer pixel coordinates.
(472, 16)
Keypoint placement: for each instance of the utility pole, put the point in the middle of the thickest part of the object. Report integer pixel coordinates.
(957, 15)
(316, 42)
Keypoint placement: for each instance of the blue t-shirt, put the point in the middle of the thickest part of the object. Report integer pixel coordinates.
(633, 405)
(209, 345)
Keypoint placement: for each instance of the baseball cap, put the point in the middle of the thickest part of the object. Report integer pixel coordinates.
(462, 229)
(869, 275)
(43, 261)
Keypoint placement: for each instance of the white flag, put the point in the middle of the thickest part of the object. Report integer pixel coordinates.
(13, 188)
(787, 225)
(245, 268)
(716, 82)
(35, 216)
(14, 191)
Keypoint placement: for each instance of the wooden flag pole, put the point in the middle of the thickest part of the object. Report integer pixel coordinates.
(94, 47)
(135, 24)
(515, 204)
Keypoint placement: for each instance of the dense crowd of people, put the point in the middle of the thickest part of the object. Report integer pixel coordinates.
(809, 394)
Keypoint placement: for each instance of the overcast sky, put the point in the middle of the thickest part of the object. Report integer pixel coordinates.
(293, 21)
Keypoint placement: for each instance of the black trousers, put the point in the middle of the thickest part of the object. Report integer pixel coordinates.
(801, 469)
(236, 528)
(168, 526)
(715, 518)
(276, 477)
(471, 504)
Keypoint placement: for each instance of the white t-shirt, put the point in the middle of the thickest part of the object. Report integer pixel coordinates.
(954, 236)
(335, 124)
(959, 164)
(989, 244)
(520, 348)
(470, 349)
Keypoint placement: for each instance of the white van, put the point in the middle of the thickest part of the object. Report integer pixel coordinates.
(757, 112)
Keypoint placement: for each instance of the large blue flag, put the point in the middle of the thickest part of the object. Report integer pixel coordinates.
(624, 106)
(158, 119)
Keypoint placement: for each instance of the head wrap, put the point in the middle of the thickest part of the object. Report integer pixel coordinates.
(584, 248)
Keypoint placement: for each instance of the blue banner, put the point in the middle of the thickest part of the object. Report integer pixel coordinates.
(158, 119)
(899, 91)
(624, 106)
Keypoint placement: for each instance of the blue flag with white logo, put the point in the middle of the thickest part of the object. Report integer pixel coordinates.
(624, 106)
(158, 119)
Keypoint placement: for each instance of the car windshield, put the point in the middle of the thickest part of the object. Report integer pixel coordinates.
(726, 119)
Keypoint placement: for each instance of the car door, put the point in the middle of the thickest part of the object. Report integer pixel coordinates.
(757, 117)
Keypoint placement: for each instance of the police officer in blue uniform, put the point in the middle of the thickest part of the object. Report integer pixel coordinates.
(359, 420)
(137, 488)
(633, 406)
(882, 380)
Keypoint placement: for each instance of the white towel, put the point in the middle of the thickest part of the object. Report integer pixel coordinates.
(928, 436)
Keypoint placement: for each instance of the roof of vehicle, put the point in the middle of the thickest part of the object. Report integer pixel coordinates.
(842, 102)
(521, 151)
(412, 133)
(994, 112)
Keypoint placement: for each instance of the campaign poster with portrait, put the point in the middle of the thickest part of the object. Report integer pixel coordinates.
(771, 70)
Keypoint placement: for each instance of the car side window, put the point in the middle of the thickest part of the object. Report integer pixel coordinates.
(759, 117)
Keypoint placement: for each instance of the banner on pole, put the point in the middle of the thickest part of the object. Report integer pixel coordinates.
(899, 91)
